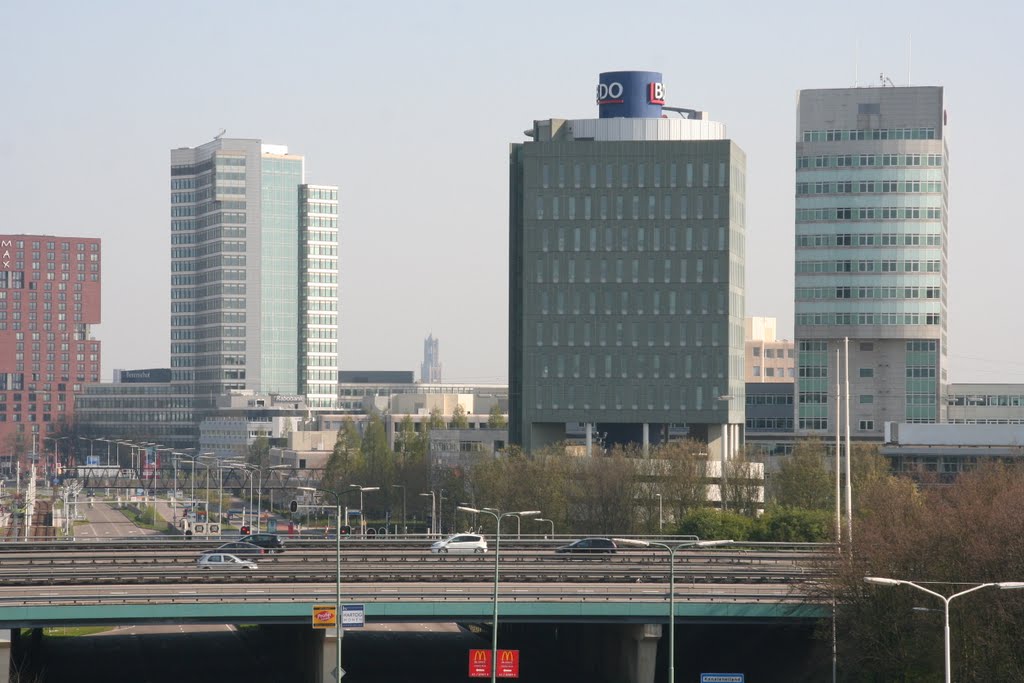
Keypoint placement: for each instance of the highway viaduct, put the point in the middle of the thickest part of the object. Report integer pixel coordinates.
(620, 601)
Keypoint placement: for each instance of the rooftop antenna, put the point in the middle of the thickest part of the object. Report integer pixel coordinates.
(910, 53)
(856, 63)
(219, 135)
(885, 80)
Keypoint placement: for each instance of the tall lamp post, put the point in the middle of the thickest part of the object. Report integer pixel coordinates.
(498, 516)
(362, 512)
(433, 511)
(661, 514)
(672, 550)
(405, 529)
(1005, 585)
(549, 521)
(337, 578)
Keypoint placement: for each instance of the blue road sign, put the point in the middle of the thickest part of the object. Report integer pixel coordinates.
(722, 678)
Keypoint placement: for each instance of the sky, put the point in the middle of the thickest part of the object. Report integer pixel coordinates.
(409, 107)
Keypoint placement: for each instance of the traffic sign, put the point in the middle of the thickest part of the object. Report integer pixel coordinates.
(479, 663)
(353, 616)
(722, 678)
(324, 616)
(337, 673)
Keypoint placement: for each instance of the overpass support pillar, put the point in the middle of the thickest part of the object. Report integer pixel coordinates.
(5, 655)
(639, 648)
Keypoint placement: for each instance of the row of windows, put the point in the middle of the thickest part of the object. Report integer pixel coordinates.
(818, 319)
(64, 246)
(324, 193)
(870, 266)
(769, 399)
(770, 424)
(870, 239)
(869, 213)
(772, 372)
(771, 353)
(991, 400)
(844, 292)
(847, 160)
(553, 210)
(869, 134)
(639, 270)
(821, 423)
(321, 208)
(629, 365)
(621, 397)
(629, 238)
(638, 301)
(868, 187)
(633, 333)
(629, 175)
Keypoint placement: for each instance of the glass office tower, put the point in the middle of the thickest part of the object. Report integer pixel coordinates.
(254, 281)
(871, 255)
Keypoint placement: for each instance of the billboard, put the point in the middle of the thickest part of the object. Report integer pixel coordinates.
(630, 94)
(148, 375)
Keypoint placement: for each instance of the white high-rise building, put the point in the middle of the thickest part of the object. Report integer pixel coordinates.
(872, 184)
(254, 274)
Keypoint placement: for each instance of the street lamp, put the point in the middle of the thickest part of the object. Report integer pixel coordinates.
(498, 516)
(671, 587)
(270, 486)
(550, 521)
(661, 514)
(405, 529)
(337, 579)
(433, 512)
(362, 512)
(56, 440)
(1005, 585)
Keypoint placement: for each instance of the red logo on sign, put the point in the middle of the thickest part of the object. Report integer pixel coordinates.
(508, 663)
(479, 663)
(324, 616)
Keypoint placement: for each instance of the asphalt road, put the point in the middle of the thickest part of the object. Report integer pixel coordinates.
(104, 521)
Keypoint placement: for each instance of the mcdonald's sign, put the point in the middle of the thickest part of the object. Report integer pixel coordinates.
(480, 663)
(508, 663)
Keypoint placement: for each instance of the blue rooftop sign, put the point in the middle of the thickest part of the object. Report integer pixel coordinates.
(630, 94)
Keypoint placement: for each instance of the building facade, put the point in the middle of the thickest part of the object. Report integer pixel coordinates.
(254, 274)
(871, 255)
(767, 358)
(626, 273)
(49, 299)
(139, 405)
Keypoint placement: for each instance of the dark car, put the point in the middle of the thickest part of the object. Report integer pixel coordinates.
(270, 542)
(589, 545)
(239, 548)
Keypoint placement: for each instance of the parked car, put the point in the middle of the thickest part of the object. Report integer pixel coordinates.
(240, 548)
(269, 542)
(223, 561)
(460, 543)
(589, 545)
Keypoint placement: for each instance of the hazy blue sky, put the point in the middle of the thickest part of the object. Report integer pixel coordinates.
(409, 107)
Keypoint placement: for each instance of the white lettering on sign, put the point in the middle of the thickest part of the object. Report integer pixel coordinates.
(656, 93)
(607, 92)
(3, 245)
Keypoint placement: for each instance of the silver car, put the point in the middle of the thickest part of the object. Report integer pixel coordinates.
(460, 543)
(223, 561)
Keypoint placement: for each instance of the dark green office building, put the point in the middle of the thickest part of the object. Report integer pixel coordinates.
(626, 277)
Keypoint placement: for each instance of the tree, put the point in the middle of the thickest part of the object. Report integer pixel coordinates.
(259, 453)
(497, 419)
(345, 460)
(459, 419)
(951, 537)
(804, 480)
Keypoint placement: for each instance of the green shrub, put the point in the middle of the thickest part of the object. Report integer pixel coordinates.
(709, 524)
(794, 525)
